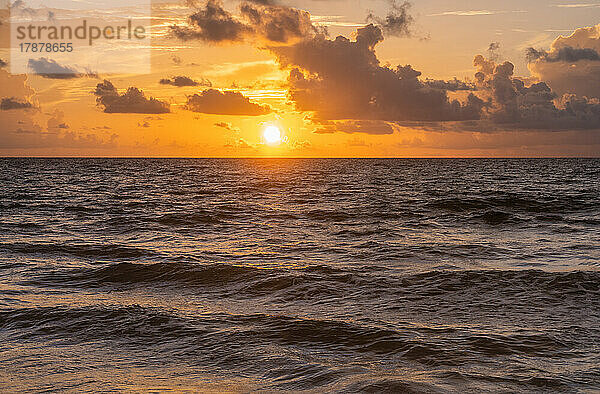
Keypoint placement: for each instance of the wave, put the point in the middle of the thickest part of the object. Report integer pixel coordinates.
(190, 218)
(86, 251)
(136, 324)
(326, 215)
(319, 282)
(495, 217)
(541, 204)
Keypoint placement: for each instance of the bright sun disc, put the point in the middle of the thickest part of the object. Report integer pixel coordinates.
(272, 135)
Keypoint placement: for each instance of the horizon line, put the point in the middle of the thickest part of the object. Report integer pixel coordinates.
(309, 157)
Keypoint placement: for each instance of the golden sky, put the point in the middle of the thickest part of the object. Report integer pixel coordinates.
(341, 78)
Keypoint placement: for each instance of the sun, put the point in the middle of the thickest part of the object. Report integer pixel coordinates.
(272, 135)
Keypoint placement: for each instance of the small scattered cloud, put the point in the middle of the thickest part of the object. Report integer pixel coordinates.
(398, 21)
(132, 101)
(356, 142)
(49, 68)
(494, 51)
(579, 5)
(10, 103)
(474, 13)
(57, 122)
(212, 101)
(240, 144)
(181, 81)
(227, 126)
(300, 145)
(376, 127)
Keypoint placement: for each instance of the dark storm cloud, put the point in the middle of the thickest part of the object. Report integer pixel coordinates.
(398, 22)
(343, 79)
(10, 103)
(132, 101)
(181, 81)
(259, 20)
(214, 101)
(49, 68)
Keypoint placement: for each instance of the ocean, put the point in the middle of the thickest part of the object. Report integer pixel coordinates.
(343, 275)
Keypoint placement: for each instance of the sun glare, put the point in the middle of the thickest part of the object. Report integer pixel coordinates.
(272, 135)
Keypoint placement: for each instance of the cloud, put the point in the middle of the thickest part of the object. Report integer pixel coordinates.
(565, 54)
(301, 145)
(512, 104)
(494, 51)
(343, 79)
(212, 24)
(176, 59)
(49, 68)
(9, 103)
(57, 123)
(227, 126)
(132, 101)
(452, 85)
(572, 64)
(579, 5)
(240, 144)
(22, 122)
(38, 139)
(398, 22)
(15, 94)
(470, 13)
(212, 101)
(258, 21)
(278, 24)
(19, 7)
(342, 83)
(181, 81)
(376, 127)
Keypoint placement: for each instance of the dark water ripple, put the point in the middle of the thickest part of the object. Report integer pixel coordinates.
(337, 275)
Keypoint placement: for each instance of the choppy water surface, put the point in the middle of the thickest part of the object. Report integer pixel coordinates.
(346, 275)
